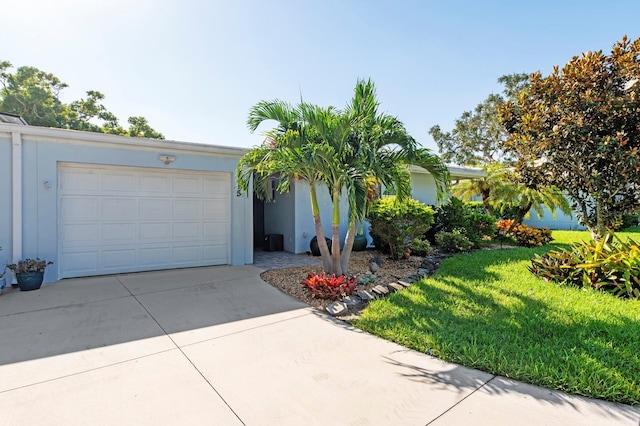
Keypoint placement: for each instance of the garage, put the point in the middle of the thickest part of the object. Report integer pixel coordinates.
(115, 219)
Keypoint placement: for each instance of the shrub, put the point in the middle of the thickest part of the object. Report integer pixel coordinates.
(481, 226)
(607, 265)
(393, 224)
(453, 242)
(457, 215)
(333, 288)
(420, 246)
(523, 235)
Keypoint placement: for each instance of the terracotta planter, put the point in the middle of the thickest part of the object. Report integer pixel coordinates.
(28, 281)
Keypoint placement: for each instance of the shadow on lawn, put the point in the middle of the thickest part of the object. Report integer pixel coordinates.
(507, 331)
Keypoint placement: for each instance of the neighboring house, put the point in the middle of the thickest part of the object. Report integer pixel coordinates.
(99, 204)
(562, 221)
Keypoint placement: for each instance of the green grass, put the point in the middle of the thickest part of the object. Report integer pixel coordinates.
(485, 310)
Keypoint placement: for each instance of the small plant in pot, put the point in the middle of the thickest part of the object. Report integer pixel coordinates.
(29, 273)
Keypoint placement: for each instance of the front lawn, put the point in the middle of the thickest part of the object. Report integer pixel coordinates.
(485, 310)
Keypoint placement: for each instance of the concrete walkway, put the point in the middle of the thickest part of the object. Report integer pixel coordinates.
(219, 346)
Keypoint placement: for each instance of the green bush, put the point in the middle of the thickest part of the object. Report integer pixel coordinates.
(456, 214)
(395, 224)
(454, 241)
(607, 265)
(420, 247)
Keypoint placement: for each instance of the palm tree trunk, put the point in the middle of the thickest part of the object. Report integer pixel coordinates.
(335, 240)
(522, 211)
(348, 246)
(327, 263)
(485, 201)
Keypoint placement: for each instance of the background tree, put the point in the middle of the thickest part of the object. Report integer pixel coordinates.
(35, 96)
(579, 129)
(476, 137)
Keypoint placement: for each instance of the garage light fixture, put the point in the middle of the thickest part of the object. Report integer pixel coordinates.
(167, 159)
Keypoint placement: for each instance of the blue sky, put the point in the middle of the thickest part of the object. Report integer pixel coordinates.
(194, 68)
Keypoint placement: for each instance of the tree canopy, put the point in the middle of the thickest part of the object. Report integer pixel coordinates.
(475, 139)
(35, 96)
(579, 129)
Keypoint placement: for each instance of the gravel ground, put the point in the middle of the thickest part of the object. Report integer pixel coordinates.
(288, 280)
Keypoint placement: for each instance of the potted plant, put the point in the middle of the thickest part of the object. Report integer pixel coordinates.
(3, 282)
(29, 273)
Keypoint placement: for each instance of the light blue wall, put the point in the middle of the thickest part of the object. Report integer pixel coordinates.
(423, 188)
(40, 209)
(279, 218)
(305, 228)
(562, 221)
(5, 201)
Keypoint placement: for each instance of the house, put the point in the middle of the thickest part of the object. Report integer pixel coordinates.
(100, 204)
(290, 215)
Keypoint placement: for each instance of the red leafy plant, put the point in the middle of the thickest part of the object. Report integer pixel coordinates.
(329, 287)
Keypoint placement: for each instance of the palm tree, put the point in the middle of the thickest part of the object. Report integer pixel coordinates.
(500, 186)
(536, 199)
(496, 177)
(345, 150)
(382, 150)
(291, 152)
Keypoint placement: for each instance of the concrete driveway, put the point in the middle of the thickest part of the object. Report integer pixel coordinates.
(219, 346)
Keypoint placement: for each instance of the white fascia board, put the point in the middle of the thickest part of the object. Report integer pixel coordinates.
(82, 137)
(456, 172)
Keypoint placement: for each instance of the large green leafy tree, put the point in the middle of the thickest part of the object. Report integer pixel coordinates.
(476, 137)
(579, 129)
(35, 96)
(345, 150)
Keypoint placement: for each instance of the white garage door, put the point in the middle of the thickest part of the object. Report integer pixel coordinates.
(125, 219)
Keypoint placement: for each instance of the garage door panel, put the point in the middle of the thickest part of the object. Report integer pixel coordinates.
(124, 233)
(215, 209)
(155, 183)
(81, 234)
(215, 231)
(159, 231)
(187, 230)
(187, 209)
(155, 256)
(216, 186)
(215, 253)
(120, 182)
(76, 208)
(155, 208)
(81, 263)
(187, 185)
(119, 208)
(121, 219)
(117, 259)
(187, 254)
(79, 180)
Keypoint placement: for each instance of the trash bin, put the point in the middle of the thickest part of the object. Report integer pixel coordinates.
(273, 242)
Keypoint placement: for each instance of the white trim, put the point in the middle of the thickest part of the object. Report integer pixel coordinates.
(61, 135)
(456, 172)
(16, 196)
